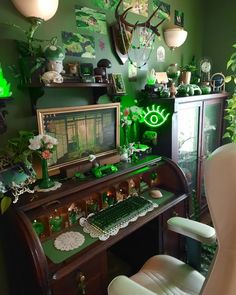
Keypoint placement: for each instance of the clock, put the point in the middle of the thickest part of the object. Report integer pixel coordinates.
(218, 82)
(205, 67)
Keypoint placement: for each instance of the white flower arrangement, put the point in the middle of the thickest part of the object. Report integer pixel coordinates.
(43, 144)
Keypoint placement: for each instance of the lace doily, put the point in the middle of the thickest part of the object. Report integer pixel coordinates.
(95, 232)
(53, 188)
(69, 241)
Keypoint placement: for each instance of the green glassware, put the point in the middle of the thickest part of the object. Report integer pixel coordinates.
(46, 181)
(56, 223)
(38, 227)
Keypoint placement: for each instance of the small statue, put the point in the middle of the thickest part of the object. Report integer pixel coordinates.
(55, 56)
(73, 69)
(173, 90)
(51, 77)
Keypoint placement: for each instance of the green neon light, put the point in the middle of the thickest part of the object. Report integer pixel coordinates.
(5, 90)
(154, 117)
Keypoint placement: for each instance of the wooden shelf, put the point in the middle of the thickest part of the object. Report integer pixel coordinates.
(36, 89)
(69, 85)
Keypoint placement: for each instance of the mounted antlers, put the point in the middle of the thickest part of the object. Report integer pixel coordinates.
(122, 18)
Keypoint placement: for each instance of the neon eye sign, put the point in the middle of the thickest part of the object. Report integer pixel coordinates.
(154, 116)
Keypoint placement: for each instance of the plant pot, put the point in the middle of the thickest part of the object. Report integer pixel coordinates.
(185, 77)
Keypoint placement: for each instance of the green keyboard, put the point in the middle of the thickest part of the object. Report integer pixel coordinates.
(120, 213)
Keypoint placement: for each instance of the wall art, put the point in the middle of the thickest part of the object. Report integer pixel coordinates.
(138, 6)
(161, 54)
(106, 4)
(132, 71)
(164, 7)
(79, 45)
(179, 18)
(91, 20)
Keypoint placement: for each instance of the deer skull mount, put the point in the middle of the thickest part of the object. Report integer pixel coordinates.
(122, 30)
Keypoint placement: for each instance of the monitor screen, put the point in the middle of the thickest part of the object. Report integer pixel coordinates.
(81, 131)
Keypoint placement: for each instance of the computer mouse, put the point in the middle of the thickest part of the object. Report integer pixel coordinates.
(155, 193)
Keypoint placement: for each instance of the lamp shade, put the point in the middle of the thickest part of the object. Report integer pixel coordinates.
(43, 9)
(175, 37)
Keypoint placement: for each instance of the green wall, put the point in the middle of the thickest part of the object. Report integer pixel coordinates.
(219, 34)
(20, 116)
(19, 110)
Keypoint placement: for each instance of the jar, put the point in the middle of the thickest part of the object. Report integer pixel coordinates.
(173, 72)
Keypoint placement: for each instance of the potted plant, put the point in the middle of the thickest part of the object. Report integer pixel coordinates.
(32, 61)
(230, 110)
(15, 152)
(186, 73)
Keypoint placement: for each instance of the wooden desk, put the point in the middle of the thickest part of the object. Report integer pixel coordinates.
(30, 267)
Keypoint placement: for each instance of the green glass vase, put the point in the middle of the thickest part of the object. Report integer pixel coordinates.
(46, 182)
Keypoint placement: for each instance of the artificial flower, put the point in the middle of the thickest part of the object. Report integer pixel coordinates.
(44, 144)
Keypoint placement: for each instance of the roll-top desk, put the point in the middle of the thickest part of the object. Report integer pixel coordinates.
(37, 267)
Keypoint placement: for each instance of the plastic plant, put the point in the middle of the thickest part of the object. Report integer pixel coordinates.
(5, 87)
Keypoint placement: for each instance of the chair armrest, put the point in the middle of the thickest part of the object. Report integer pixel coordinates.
(122, 285)
(193, 229)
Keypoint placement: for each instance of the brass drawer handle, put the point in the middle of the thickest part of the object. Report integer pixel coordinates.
(175, 213)
(80, 278)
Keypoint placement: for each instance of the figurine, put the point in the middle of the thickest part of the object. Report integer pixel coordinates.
(51, 77)
(55, 56)
(73, 69)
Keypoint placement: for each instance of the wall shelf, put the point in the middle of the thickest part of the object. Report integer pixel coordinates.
(36, 90)
(70, 85)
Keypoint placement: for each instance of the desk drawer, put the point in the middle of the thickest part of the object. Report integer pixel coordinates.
(88, 279)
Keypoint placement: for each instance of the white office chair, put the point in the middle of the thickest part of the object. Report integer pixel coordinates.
(165, 275)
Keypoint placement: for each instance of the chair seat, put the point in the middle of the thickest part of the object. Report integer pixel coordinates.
(166, 275)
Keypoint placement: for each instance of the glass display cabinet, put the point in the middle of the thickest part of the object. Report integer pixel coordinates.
(193, 131)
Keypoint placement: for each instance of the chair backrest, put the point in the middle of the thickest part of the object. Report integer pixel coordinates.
(220, 184)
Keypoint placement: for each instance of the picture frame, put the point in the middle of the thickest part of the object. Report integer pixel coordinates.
(179, 18)
(81, 131)
(118, 83)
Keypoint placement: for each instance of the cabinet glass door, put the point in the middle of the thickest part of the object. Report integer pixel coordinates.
(212, 134)
(211, 127)
(188, 141)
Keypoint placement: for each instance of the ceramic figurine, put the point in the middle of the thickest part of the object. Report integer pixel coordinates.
(51, 77)
(55, 56)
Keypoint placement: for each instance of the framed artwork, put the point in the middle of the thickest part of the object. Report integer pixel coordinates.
(138, 6)
(179, 18)
(161, 54)
(118, 83)
(165, 7)
(91, 20)
(81, 131)
(78, 45)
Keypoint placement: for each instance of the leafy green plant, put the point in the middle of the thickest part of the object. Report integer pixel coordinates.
(230, 110)
(5, 200)
(17, 149)
(189, 68)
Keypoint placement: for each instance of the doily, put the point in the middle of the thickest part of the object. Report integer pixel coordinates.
(53, 188)
(69, 241)
(95, 232)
